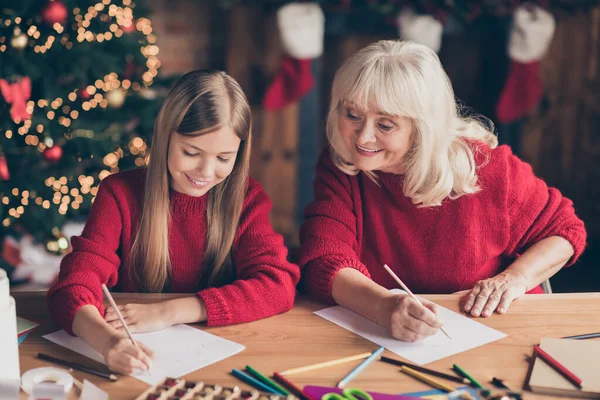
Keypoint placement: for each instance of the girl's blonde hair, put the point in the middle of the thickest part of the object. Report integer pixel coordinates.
(407, 79)
(200, 102)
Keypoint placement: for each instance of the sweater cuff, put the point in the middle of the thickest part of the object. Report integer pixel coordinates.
(577, 238)
(65, 305)
(217, 309)
(322, 271)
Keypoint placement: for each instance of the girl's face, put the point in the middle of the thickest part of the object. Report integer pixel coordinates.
(374, 140)
(197, 164)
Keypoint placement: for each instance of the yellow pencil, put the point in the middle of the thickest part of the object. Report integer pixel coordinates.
(325, 364)
(430, 381)
(407, 290)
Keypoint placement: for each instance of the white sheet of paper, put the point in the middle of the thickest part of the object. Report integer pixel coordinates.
(89, 391)
(179, 350)
(466, 334)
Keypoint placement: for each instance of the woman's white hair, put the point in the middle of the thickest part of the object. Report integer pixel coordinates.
(407, 79)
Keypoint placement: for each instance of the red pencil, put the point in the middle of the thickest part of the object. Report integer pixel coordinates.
(558, 366)
(292, 388)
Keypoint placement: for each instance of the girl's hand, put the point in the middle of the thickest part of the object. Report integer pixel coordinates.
(140, 317)
(407, 319)
(495, 294)
(123, 357)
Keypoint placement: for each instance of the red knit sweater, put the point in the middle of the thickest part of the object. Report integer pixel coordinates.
(354, 223)
(265, 282)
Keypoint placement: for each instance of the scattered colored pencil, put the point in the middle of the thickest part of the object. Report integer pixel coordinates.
(424, 378)
(449, 377)
(360, 367)
(291, 387)
(254, 382)
(79, 367)
(265, 380)
(464, 373)
(561, 369)
(407, 290)
(584, 336)
(499, 383)
(324, 364)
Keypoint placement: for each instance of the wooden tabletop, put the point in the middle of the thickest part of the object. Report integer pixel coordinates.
(299, 338)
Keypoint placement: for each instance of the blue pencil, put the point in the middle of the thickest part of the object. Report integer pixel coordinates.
(254, 382)
(374, 356)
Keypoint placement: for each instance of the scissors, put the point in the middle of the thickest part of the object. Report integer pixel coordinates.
(348, 394)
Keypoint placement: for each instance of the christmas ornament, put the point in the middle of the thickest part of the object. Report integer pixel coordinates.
(84, 94)
(128, 26)
(4, 173)
(115, 97)
(57, 244)
(17, 94)
(53, 154)
(420, 28)
(55, 12)
(302, 27)
(19, 40)
(531, 34)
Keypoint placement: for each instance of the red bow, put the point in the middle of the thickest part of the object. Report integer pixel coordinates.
(17, 94)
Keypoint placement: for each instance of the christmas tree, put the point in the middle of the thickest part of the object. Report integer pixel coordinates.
(75, 106)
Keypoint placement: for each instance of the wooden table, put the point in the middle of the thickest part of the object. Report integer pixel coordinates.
(299, 338)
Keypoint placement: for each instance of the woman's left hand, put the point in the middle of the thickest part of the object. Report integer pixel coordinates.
(495, 294)
(140, 317)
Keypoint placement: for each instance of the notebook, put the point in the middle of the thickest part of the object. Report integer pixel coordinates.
(579, 356)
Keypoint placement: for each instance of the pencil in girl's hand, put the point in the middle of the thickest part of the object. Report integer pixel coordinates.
(114, 305)
(407, 290)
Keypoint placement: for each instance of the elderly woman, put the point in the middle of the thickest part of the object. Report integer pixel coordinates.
(409, 182)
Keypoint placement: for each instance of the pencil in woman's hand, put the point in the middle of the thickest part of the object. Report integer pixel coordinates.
(407, 290)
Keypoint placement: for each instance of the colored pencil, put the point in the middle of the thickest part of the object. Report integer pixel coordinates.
(557, 366)
(584, 336)
(253, 382)
(464, 373)
(407, 290)
(424, 378)
(79, 367)
(324, 364)
(265, 380)
(291, 387)
(499, 384)
(114, 305)
(360, 367)
(449, 377)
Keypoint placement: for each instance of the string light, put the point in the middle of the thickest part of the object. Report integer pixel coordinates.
(118, 19)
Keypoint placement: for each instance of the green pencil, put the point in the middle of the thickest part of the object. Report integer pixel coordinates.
(462, 372)
(266, 380)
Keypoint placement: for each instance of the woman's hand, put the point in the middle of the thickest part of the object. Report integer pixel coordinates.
(407, 319)
(495, 294)
(140, 317)
(122, 356)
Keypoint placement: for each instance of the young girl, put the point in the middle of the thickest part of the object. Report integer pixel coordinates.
(410, 183)
(191, 222)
